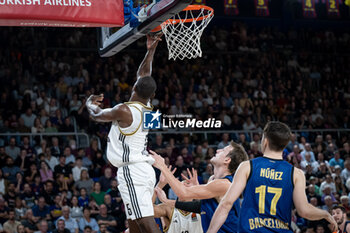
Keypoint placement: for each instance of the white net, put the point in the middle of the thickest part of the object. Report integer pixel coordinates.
(183, 34)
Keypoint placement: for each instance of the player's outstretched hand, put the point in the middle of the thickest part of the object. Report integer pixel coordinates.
(333, 224)
(158, 160)
(93, 102)
(193, 180)
(161, 195)
(153, 40)
(162, 180)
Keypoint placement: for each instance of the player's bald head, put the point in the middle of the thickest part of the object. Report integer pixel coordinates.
(145, 87)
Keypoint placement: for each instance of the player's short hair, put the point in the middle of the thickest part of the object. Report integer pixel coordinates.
(278, 135)
(339, 207)
(145, 87)
(237, 155)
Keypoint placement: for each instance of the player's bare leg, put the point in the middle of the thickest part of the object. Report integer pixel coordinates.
(147, 224)
(143, 225)
(133, 227)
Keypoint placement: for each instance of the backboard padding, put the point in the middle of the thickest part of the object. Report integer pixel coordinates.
(110, 44)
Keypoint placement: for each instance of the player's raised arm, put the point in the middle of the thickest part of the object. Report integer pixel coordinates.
(213, 189)
(304, 208)
(116, 113)
(145, 68)
(235, 190)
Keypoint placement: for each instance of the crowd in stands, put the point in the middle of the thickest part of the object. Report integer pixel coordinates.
(247, 77)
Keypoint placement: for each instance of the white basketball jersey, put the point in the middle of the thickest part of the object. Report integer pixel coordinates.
(185, 223)
(128, 145)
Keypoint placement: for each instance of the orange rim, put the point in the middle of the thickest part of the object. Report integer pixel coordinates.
(188, 8)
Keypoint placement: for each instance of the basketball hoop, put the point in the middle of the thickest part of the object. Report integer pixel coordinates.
(183, 31)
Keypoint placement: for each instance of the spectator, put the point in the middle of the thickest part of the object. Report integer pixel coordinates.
(106, 179)
(61, 227)
(55, 148)
(328, 182)
(28, 197)
(41, 210)
(224, 142)
(70, 158)
(328, 203)
(37, 127)
(64, 169)
(11, 224)
(292, 143)
(42, 148)
(12, 150)
(77, 169)
(345, 173)
(50, 160)
(106, 219)
(49, 127)
(254, 151)
(11, 195)
(307, 161)
(56, 208)
(98, 163)
(45, 172)
(19, 209)
(3, 211)
(97, 195)
(86, 220)
(336, 160)
(49, 192)
(180, 166)
(10, 170)
(20, 229)
(114, 191)
(28, 118)
(308, 150)
(83, 199)
(243, 142)
(70, 223)
(3, 183)
(84, 182)
(294, 154)
(43, 227)
(76, 210)
(30, 221)
(87, 229)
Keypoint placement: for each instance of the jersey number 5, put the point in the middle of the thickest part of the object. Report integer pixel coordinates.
(129, 210)
(261, 190)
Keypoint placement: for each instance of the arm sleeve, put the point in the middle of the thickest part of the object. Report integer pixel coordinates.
(189, 206)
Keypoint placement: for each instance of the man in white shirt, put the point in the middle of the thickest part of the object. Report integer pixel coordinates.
(28, 118)
(52, 161)
(77, 169)
(345, 173)
(69, 156)
(308, 161)
(308, 150)
(71, 224)
(12, 150)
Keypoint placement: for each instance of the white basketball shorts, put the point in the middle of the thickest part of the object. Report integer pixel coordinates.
(136, 186)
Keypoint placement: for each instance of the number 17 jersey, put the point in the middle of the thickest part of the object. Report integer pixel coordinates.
(268, 197)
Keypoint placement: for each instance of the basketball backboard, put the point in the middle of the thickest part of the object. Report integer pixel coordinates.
(111, 43)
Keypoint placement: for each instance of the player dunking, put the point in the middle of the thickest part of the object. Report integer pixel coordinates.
(270, 186)
(127, 143)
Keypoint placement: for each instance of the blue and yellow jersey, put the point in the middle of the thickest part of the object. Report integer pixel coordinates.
(268, 197)
(208, 208)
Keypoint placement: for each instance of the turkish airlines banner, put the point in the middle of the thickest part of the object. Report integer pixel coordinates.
(62, 13)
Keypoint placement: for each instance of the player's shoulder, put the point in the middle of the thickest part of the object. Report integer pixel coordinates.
(298, 175)
(245, 165)
(122, 108)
